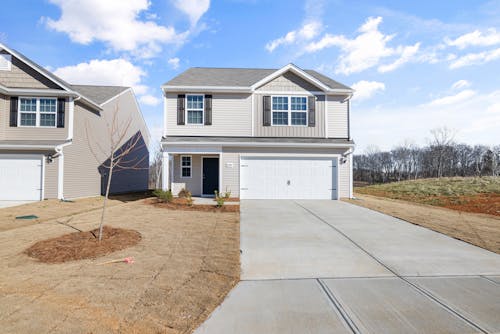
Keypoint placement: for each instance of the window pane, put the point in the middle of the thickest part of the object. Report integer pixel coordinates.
(280, 103)
(195, 102)
(47, 120)
(28, 119)
(299, 118)
(186, 172)
(280, 118)
(48, 105)
(186, 161)
(28, 105)
(195, 117)
(299, 103)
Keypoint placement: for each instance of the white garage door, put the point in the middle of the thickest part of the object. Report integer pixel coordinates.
(20, 178)
(288, 178)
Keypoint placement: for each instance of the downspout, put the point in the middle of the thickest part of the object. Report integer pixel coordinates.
(345, 156)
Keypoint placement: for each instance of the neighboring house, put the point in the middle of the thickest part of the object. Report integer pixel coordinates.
(258, 133)
(51, 133)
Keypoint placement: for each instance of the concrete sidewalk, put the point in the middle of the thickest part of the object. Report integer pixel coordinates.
(329, 266)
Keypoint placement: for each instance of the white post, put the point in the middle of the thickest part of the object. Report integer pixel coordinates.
(165, 184)
(60, 176)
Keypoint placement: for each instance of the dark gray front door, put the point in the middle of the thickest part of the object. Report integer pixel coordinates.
(210, 175)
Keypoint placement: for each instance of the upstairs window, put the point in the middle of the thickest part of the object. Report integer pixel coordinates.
(186, 166)
(37, 112)
(194, 109)
(289, 110)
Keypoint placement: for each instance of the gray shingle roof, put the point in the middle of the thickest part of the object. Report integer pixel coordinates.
(236, 77)
(99, 94)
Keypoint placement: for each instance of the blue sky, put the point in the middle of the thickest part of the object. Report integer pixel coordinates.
(415, 65)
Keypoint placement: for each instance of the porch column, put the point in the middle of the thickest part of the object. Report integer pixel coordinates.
(165, 184)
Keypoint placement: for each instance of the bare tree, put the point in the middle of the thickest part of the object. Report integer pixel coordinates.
(117, 153)
(442, 138)
(155, 168)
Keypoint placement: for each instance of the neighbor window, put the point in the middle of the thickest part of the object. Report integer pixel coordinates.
(186, 166)
(289, 110)
(194, 109)
(37, 111)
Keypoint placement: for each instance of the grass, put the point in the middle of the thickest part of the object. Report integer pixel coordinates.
(471, 194)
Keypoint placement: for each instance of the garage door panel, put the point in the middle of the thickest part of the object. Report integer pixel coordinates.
(20, 178)
(288, 178)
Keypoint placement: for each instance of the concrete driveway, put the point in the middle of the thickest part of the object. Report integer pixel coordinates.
(332, 267)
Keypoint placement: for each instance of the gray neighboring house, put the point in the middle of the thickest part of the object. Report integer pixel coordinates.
(44, 126)
(258, 133)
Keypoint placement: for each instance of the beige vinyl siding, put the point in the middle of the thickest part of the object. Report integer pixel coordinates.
(231, 116)
(51, 178)
(231, 173)
(344, 178)
(23, 76)
(81, 175)
(289, 131)
(288, 82)
(337, 116)
(30, 133)
(193, 183)
(4, 112)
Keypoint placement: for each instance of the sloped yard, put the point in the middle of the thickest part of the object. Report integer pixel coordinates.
(185, 264)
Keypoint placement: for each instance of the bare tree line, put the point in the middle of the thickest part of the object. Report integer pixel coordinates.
(441, 157)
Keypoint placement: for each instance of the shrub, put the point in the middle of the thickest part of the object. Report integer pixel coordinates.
(227, 194)
(163, 196)
(219, 199)
(184, 193)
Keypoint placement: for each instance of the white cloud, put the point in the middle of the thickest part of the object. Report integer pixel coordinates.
(307, 32)
(194, 9)
(474, 118)
(174, 62)
(453, 99)
(366, 50)
(475, 38)
(366, 89)
(460, 84)
(475, 58)
(407, 54)
(149, 100)
(115, 72)
(115, 23)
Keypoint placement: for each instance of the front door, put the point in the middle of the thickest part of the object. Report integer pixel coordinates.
(210, 175)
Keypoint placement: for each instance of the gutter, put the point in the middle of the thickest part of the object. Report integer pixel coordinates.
(261, 144)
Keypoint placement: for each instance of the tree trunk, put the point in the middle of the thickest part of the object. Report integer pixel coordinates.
(108, 186)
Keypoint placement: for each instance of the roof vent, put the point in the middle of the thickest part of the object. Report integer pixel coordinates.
(5, 62)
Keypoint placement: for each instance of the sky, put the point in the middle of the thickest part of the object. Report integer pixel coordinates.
(415, 65)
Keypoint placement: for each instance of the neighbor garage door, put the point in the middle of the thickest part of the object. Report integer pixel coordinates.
(20, 178)
(288, 178)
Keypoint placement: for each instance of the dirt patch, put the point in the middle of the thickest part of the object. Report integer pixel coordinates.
(83, 245)
(52, 209)
(182, 204)
(185, 264)
(481, 203)
(478, 229)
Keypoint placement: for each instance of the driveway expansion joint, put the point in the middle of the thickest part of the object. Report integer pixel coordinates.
(413, 285)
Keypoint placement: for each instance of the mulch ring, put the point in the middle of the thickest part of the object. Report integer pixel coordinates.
(182, 204)
(83, 245)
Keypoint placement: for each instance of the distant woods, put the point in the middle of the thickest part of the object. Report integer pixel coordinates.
(441, 157)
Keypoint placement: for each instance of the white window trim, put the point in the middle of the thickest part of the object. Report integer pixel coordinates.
(8, 62)
(289, 111)
(190, 166)
(202, 110)
(37, 112)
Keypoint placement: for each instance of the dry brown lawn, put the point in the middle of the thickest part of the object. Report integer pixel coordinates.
(185, 264)
(478, 229)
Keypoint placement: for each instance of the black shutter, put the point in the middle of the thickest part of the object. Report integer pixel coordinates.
(266, 117)
(61, 108)
(208, 110)
(181, 108)
(311, 107)
(13, 110)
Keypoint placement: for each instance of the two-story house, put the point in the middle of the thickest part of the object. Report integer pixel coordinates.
(54, 136)
(258, 133)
